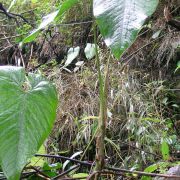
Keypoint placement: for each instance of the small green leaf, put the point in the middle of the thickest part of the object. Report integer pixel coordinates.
(146, 178)
(80, 175)
(178, 67)
(34, 1)
(155, 120)
(51, 169)
(50, 173)
(48, 167)
(165, 150)
(151, 168)
(38, 161)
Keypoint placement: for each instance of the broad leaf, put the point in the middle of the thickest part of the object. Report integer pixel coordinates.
(120, 21)
(46, 21)
(27, 113)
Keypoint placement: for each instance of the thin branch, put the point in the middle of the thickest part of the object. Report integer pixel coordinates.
(142, 173)
(12, 15)
(29, 11)
(4, 11)
(72, 23)
(147, 152)
(174, 23)
(93, 175)
(169, 19)
(2, 50)
(144, 46)
(39, 172)
(65, 158)
(66, 172)
(9, 25)
(72, 178)
(18, 15)
(18, 35)
(108, 168)
(139, 49)
(104, 172)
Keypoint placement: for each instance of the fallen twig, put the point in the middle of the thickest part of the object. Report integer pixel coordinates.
(129, 57)
(104, 172)
(110, 168)
(66, 172)
(39, 173)
(142, 173)
(65, 158)
(12, 15)
(10, 46)
(18, 35)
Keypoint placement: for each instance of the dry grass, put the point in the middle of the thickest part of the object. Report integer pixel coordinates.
(137, 115)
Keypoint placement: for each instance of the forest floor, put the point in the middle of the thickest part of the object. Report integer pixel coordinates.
(143, 95)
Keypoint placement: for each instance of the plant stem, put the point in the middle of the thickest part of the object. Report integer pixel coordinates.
(100, 149)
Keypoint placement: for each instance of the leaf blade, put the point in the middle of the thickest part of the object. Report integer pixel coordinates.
(120, 21)
(26, 117)
(48, 19)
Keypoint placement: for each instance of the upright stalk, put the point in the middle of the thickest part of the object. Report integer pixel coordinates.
(101, 131)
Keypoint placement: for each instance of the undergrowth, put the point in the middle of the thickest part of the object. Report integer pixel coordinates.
(142, 112)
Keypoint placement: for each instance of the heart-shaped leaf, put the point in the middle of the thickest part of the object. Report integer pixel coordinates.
(120, 21)
(27, 113)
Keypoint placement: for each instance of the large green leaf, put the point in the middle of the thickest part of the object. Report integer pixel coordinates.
(54, 16)
(120, 21)
(45, 22)
(27, 113)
